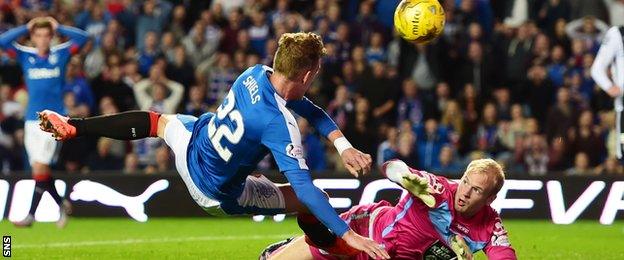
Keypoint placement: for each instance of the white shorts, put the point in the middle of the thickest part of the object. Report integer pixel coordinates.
(260, 195)
(40, 146)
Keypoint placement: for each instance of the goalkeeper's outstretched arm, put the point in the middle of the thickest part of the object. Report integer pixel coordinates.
(418, 185)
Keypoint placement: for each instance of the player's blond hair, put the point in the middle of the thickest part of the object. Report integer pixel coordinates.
(41, 23)
(490, 168)
(297, 53)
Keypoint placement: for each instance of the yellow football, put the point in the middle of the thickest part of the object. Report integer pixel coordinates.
(419, 20)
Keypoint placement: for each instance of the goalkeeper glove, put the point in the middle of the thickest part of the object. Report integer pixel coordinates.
(398, 172)
(459, 246)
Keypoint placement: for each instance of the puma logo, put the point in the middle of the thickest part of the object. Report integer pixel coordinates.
(135, 206)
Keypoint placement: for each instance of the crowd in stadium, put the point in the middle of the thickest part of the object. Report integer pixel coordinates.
(508, 80)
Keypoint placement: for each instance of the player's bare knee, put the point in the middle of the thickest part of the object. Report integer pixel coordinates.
(40, 168)
(162, 123)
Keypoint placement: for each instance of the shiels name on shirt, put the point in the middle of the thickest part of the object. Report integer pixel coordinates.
(252, 86)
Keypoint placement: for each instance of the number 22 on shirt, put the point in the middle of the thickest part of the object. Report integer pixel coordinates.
(232, 135)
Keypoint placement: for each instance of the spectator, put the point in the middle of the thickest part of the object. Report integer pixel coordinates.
(376, 51)
(561, 115)
(163, 159)
(177, 26)
(196, 105)
(588, 29)
(77, 84)
(516, 61)
(358, 128)
(541, 92)
(96, 59)
(406, 144)
(478, 71)
(96, 23)
(149, 53)
(341, 107)
(581, 166)
(452, 118)
(388, 149)
(503, 104)
(448, 164)
(131, 74)
(195, 43)
(609, 132)
(220, 78)
(180, 69)
(167, 46)
(152, 19)
(551, 11)
(487, 132)
(258, 32)
(110, 83)
(380, 94)
(585, 139)
(442, 98)
(410, 106)
(430, 138)
(536, 158)
(103, 160)
(157, 93)
(557, 68)
(610, 167)
(131, 164)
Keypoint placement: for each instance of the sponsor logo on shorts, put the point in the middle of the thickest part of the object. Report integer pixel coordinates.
(439, 251)
(294, 151)
(265, 192)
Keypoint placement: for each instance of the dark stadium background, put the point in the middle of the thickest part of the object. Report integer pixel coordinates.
(514, 86)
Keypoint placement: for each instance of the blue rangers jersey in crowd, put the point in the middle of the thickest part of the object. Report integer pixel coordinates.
(252, 121)
(44, 75)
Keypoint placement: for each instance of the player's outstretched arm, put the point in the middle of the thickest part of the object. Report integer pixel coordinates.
(354, 160)
(10, 36)
(317, 203)
(398, 172)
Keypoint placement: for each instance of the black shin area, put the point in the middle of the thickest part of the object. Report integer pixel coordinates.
(37, 193)
(316, 231)
(129, 125)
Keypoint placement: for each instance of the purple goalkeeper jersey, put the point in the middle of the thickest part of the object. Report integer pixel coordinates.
(411, 230)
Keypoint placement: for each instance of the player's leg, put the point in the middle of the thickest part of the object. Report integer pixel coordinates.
(280, 198)
(41, 149)
(292, 248)
(176, 130)
(311, 226)
(129, 125)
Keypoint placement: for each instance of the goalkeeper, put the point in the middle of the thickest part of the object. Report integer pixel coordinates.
(440, 219)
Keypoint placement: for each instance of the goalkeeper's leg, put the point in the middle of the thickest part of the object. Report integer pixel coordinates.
(292, 248)
(129, 125)
(316, 234)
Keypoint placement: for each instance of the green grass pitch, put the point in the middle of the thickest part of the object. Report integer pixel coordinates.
(241, 238)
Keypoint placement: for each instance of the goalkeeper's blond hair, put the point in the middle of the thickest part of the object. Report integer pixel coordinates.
(490, 168)
(298, 53)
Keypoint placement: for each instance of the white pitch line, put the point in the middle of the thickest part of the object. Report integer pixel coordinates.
(155, 240)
